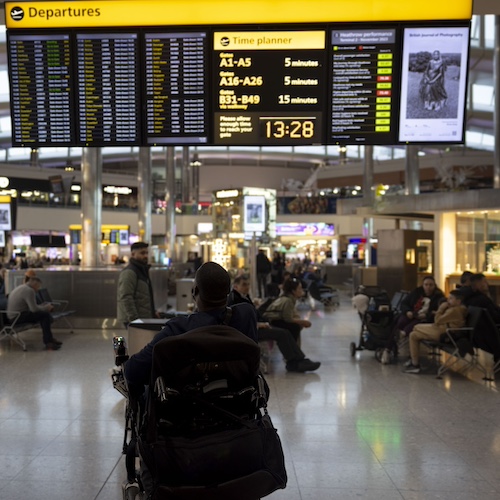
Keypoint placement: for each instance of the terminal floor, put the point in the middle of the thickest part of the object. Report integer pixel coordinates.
(355, 429)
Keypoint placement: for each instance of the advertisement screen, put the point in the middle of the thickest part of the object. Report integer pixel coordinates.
(254, 214)
(433, 86)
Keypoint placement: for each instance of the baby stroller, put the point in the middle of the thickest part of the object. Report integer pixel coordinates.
(377, 319)
(205, 432)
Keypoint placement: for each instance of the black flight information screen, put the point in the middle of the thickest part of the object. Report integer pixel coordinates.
(268, 87)
(40, 89)
(176, 86)
(107, 103)
(363, 86)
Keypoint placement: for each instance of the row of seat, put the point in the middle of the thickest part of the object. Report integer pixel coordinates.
(11, 328)
(463, 345)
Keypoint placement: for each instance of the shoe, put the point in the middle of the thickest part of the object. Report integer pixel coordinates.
(303, 365)
(386, 357)
(56, 342)
(408, 363)
(412, 369)
(52, 347)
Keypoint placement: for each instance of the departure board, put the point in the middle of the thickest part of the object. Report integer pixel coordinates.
(176, 88)
(364, 77)
(269, 87)
(40, 87)
(252, 85)
(107, 105)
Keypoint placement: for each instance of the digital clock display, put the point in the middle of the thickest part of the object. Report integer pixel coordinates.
(296, 128)
(269, 87)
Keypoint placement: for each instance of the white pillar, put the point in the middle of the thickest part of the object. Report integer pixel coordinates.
(445, 246)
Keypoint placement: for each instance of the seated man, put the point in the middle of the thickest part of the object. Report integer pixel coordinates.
(296, 360)
(450, 314)
(210, 290)
(478, 295)
(23, 299)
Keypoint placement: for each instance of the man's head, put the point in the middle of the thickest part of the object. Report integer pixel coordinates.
(465, 278)
(242, 284)
(479, 283)
(29, 274)
(34, 283)
(455, 298)
(139, 251)
(211, 286)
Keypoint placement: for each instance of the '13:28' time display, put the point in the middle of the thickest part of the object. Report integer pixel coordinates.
(293, 128)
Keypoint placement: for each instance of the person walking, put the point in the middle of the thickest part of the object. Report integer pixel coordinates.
(263, 268)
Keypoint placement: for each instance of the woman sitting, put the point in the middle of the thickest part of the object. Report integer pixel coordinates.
(281, 312)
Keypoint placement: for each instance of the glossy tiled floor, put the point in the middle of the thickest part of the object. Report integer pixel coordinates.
(354, 429)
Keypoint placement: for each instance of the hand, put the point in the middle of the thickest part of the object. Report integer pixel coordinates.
(409, 315)
(263, 324)
(305, 323)
(158, 314)
(51, 308)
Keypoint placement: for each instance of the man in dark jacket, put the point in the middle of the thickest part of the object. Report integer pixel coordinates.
(210, 290)
(477, 295)
(135, 293)
(296, 360)
(263, 269)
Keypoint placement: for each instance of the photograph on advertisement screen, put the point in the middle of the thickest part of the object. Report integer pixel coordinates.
(433, 79)
(5, 217)
(254, 213)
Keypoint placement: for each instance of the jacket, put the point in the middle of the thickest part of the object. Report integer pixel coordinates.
(450, 317)
(413, 301)
(283, 308)
(135, 293)
(138, 367)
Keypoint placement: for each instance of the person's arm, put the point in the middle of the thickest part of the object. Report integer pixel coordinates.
(30, 298)
(442, 314)
(127, 284)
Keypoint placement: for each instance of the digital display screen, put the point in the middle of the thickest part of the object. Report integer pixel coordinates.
(310, 229)
(40, 89)
(433, 86)
(263, 85)
(254, 214)
(107, 103)
(269, 87)
(176, 88)
(364, 86)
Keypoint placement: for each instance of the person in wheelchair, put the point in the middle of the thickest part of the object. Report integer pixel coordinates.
(180, 369)
(211, 287)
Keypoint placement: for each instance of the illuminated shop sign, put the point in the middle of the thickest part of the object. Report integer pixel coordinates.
(319, 229)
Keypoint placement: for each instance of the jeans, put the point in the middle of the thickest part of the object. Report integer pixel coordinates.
(42, 317)
(286, 343)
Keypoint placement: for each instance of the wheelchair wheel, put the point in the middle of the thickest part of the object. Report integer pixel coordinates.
(131, 491)
(352, 348)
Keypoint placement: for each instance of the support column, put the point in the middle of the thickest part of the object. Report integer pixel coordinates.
(445, 246)
(91, 207)
(368, 177)
(170, 229)
(186, 175)
(496, 113)
(195, 184)
(368, 197)
(144, 194)
(412, 178)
